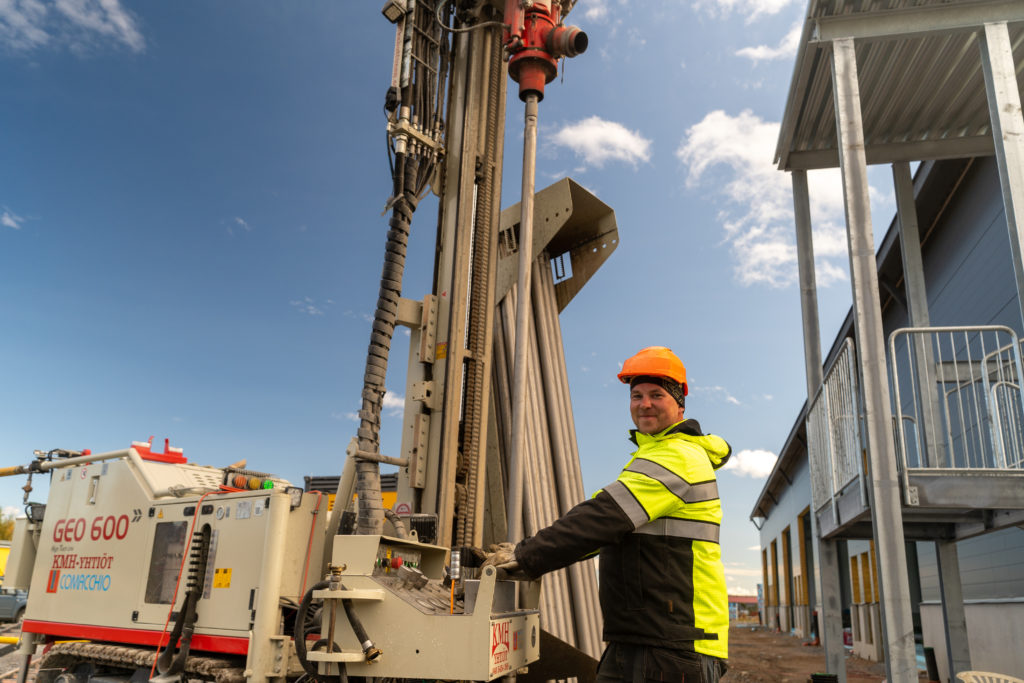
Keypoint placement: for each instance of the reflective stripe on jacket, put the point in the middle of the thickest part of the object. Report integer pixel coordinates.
(662, 582)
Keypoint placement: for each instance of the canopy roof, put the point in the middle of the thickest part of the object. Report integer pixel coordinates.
(920, 73)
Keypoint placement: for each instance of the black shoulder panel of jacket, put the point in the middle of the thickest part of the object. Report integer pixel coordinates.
(690, 427)
(579, 533)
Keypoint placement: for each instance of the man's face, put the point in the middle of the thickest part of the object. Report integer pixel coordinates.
(652, 408)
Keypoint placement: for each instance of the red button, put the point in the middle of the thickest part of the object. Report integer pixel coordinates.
(396, 562)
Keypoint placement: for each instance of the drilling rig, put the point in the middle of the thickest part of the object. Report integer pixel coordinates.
(161, 569)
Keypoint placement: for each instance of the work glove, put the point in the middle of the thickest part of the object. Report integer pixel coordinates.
(473, 556)
(511, 570)
(499, 554)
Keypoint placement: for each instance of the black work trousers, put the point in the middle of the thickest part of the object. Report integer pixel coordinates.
(626, 663)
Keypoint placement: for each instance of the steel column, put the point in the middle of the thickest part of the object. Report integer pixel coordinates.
(436, 495)
(886, 513)
(826, 578)
(1007, 130)
(957, 647)
(917, 305)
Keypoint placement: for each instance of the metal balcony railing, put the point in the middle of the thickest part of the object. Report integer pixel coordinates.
(834, 433)
(957, 393)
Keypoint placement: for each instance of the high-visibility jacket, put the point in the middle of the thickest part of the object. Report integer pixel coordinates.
(662, 582)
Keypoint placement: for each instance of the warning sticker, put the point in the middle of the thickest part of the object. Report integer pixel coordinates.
(499, 647)
(222, 577)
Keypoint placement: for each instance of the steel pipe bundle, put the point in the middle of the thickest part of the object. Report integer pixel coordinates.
(552, 482)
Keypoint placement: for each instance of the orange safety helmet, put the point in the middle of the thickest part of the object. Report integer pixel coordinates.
(655, 361)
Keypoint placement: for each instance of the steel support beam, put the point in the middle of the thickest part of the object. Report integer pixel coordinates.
(957, 647)
(1008, 132)
(949, 148)
(916, 22)
(827, 578)
(886, 512)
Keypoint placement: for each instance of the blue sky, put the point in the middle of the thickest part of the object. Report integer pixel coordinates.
(191, 229)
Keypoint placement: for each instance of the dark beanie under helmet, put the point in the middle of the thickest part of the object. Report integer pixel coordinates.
(675, 389)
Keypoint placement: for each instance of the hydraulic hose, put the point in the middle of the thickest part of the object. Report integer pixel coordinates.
(369, 649)
(169, 663)
(415, 102)
(397, 522)
(299, 636)
(371, 510)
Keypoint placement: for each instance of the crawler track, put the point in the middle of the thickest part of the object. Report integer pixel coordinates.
(63, 655)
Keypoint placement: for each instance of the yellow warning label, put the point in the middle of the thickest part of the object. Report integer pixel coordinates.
(441, 351)
(222, 578)
(159, 514)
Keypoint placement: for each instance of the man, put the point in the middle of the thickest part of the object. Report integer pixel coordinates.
(662, 583)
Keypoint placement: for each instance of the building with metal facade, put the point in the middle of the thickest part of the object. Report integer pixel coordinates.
(898, 495)
(968, 270)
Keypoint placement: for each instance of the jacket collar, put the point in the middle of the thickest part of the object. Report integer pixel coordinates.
(688, 427)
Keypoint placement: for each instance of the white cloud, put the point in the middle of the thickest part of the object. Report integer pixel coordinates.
(597, 10)
(751, 9)
(715, 393)
(105, 17)
(358, 316)
(734, 154)
(394, 404)
(77, 24)
(9, 219)
(786, 49)
(21, 24)
(237, 222)
(598, 141)
(756, 464)
(11, 511)
(306, 305)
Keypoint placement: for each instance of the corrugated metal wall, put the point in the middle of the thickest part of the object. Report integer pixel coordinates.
(969, 277)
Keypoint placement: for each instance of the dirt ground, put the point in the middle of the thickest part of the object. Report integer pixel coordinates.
(757, 655)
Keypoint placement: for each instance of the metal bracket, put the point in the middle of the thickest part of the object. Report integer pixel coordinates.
(417, 454)
(409, 312)
(424, 392)
(350, 594)
(912, 497)
(400, 128)
(428, 328)
(277, 662)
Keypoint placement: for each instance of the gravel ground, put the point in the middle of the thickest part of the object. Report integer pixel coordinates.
(9, 660)
(757, 655)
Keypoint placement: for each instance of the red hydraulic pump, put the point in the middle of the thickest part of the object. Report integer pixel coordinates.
(535, 41)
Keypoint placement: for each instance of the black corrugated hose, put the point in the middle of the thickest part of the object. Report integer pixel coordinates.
(300, 640)
(420, 99)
